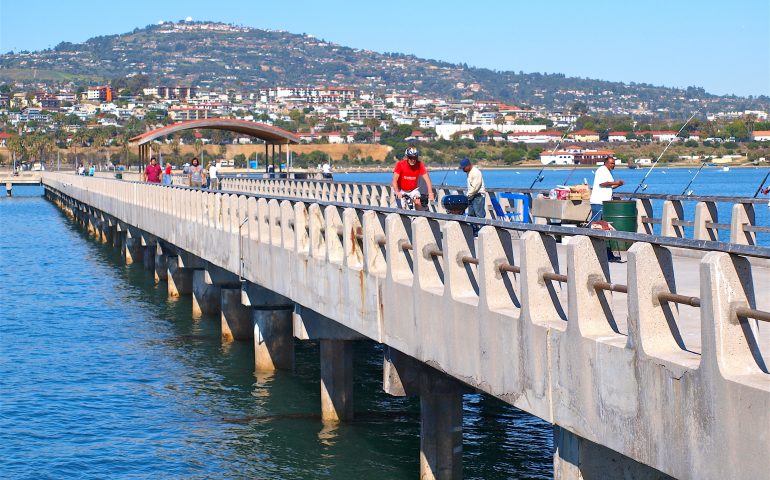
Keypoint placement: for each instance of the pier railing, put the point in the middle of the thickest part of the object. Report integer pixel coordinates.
(667, 212)
(542, 326)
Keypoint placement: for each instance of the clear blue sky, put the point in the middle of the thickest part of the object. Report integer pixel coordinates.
(721, 46)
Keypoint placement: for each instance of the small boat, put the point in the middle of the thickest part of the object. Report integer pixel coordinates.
(725, 169)
(633, 166)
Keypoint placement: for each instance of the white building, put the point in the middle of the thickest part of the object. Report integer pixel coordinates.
(559, 157)
(617, 137)
(446, 131)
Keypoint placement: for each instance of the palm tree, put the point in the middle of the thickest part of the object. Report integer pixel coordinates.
(175, 148)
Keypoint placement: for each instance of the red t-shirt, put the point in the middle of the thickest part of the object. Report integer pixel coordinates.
(153, 173)
(408, 174)
(168, 169)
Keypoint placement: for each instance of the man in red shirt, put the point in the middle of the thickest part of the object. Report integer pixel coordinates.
(152, 172)
(406, 176)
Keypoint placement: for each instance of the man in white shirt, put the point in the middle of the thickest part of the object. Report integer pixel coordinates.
(213, 179)
(604, 183)
(326, 170)
(476, 192)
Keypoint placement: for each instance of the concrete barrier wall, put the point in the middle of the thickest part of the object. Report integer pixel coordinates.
(741, 228)
(426, 288)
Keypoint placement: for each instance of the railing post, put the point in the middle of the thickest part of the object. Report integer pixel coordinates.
(590, 310)
(705, 213)
(644, 210)
(742, 216)
(539, 298)
(672, 210)
(652, 324)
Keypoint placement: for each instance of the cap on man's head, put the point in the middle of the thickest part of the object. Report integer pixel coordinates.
(464, 163)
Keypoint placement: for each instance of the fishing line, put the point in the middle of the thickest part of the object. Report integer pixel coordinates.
(641, 182)
(539, 177)
(684, 192)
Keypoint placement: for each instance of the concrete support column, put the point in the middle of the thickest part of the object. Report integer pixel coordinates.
(117, 238)
(132, 249)
(336, 361)
(576, 458)
(273, 329)
(179, 278)
(161, 263)
(206, 297)
(148, 257)
(441, 412)
(441, 435)
(336, 380)
(106, 232)
(273, 338)
(236, 318)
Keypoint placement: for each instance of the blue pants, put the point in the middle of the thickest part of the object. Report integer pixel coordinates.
(476, 207)
(596, 212)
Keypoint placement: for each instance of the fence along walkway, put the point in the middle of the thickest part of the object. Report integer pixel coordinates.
(705, 222)
(505, 314)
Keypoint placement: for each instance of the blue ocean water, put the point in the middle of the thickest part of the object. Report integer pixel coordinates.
(102, 376)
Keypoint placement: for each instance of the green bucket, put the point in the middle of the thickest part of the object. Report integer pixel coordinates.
(622, 215)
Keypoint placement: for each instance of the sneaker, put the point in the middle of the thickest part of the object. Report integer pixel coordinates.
(614, 259)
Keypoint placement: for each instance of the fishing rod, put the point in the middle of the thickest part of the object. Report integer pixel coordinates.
(641, 182)
(685, 191)
(539, 177)
(762, 184)
(570, 174)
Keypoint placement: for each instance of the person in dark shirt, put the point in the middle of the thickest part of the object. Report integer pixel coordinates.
(152, 172)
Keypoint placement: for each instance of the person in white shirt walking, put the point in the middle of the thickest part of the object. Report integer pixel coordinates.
(213, 178)
(604, 183)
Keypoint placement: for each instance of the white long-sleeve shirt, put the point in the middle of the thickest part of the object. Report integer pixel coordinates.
(475, 182)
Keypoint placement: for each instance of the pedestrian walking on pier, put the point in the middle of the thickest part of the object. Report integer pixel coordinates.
(168, 178)
(153, 172)
(196, 177)
(213, 177)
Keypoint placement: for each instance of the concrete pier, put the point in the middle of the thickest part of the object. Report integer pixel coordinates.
(659, 361)
(179, 278)
(236, 318)
(576, 458)
(441, 435)
(336, 361)
(161, 263)
(132, 248)
(273, 329)
(273, 338)
(441, 412)
(206, 297)
(336, 380)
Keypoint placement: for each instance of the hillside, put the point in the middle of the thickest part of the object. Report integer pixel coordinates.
(213, 55)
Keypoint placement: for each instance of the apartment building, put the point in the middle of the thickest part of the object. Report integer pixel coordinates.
(102, 93)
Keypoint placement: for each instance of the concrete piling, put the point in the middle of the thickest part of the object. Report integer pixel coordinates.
(236, 318)
(336, 380)
(179, 278)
